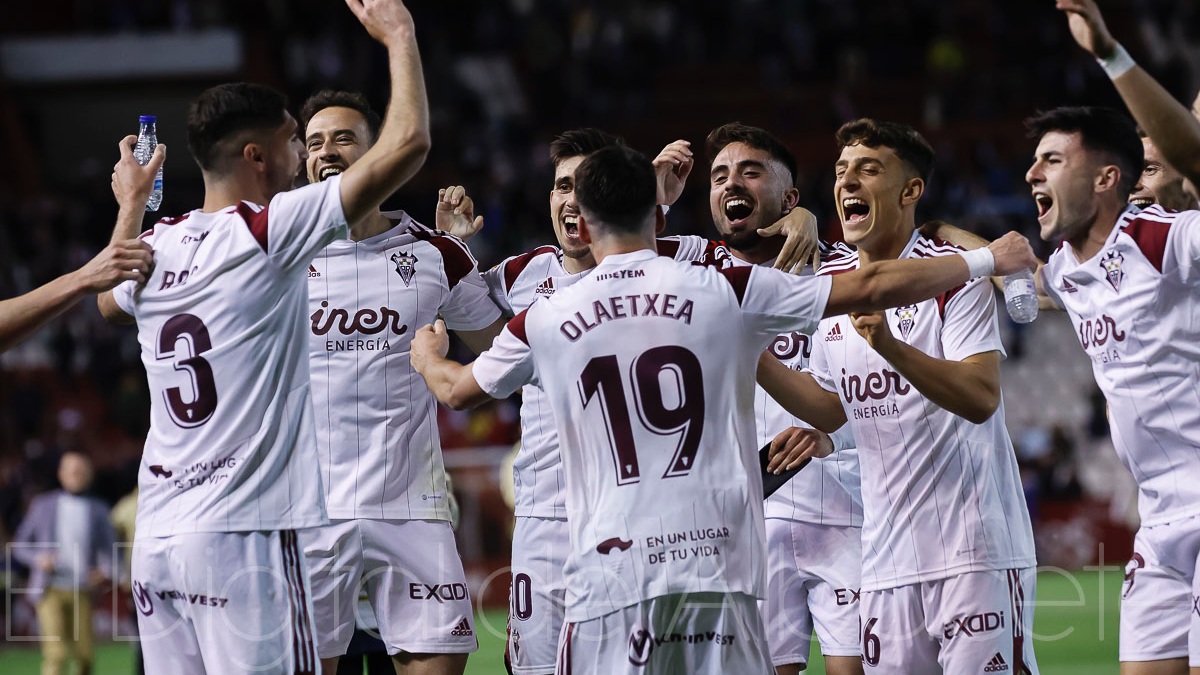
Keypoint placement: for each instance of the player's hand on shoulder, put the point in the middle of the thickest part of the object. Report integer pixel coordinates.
(1087, 26)
(430, 343)
(119, 261)
(802, 246)
(671, 168)
(132, 182)
(1012, 253)
(794, 445)
(455, 213)
(873, 326)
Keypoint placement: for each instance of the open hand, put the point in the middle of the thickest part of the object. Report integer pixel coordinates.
(671, 168)
(1087, 27)
(802, 247)
(455, 213)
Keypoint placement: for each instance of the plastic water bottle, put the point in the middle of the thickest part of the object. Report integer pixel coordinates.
(146, 143)
(1020, 296)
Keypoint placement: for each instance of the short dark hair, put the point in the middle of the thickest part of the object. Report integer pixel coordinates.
(227, 109)
(1102, 130)
(336, 98)
(617, 186)
(581, 143)
(910, 146)
(759, 139)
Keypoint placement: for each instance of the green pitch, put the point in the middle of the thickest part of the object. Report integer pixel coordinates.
(1075, 633)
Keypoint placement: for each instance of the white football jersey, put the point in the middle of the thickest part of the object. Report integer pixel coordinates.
(649, 367)
(941, 496)
(515, 284)
(376, 420)
(221, 323)
(1136, 310)
(827, 491)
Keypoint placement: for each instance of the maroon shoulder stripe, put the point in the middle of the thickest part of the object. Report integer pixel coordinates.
(739, 278)
(514, 267)
(1151, 237)
(256, 221)
(516, 326)
(667, 247)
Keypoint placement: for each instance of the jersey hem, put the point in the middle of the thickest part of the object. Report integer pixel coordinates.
(816, 521)
(925, 577)
(389, 515)
(1169, 518)
(230, 528)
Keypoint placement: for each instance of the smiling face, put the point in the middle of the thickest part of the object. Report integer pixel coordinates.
(876, 195)
(564, 213)
(1160, 183)
(1063, 178)
(336, 138)
(748, 189)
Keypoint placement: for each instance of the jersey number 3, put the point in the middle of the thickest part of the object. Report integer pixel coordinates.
(203, 403)
(674, 411)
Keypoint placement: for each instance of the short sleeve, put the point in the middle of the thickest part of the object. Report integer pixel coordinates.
(1183, 249)
(1046, 281)
(494, 278)
(298, 223)
(818, 363)
(775, 302)
(508, 364)
(469, 306)
(124, 292)
(969, 324)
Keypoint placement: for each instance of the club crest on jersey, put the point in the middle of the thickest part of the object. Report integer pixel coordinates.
(908, 318)
(1111, 262)
(406, 266)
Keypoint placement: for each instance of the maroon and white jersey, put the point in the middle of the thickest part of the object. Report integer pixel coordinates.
(222, 322)
(376, 420)
(648, 366)
(515, 284)
(941, 496)
(1136, 310)
(827, 491)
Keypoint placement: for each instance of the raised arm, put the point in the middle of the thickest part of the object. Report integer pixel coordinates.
(403, 140)
(891, 283)
(971, 241)
(1172, 127)
(131, 185)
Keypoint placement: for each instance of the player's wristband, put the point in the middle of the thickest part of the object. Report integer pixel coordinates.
(1118, 63)
(980, 262)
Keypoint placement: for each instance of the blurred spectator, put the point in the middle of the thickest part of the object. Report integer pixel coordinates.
(67, 541)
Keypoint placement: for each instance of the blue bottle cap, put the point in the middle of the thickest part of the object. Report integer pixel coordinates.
(147, 119)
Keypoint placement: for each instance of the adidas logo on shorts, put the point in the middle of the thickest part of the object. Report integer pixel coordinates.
(996, 665)
(463, 629)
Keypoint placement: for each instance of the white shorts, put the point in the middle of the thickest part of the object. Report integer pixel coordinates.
(681, 634)
(975, 622)
(1159, 591)
(813, 574)
(409, 571)
(223, 602)
(538, 594)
